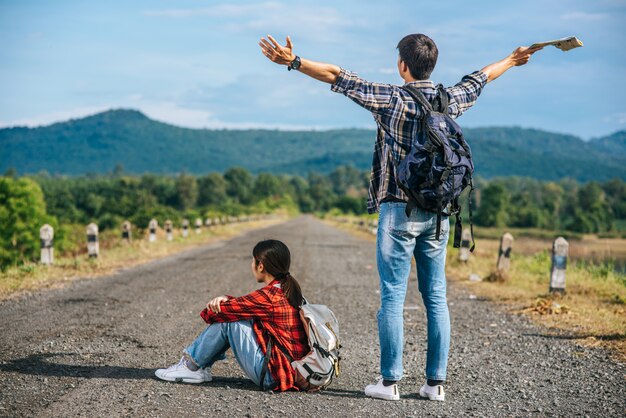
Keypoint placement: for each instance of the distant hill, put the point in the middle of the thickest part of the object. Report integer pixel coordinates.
(96, 144)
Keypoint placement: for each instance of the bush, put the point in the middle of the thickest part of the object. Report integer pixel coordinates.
(22, 214)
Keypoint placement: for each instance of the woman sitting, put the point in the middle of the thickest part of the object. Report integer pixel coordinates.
(248, 323)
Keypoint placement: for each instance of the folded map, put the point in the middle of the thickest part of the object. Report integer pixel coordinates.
(564, 44)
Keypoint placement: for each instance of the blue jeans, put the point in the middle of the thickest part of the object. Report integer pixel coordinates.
(212, 344)
(399, 239)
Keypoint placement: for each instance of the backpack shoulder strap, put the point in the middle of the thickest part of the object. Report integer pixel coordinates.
(419, 98)
(442, 100)
(266, 361)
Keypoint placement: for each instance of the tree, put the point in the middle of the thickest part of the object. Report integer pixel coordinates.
(320, 190)
(186, 191)
(525, 213)
(301, 193)
(22, 214)
(615, 191)
(493, 206)
(344, 178)
(267, 185)
(353, 205)
(211, 189)
(239, 184)
(593, 207)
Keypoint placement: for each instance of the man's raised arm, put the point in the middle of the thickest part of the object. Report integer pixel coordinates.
(284, 55)
(466, 92)
(518, 57)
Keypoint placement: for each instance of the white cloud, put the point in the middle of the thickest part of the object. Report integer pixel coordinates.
(619, 118)
(222, 10)
(176, 115)
(163, 111)
(166, 112)
(584, 16)
(322, 24)
(53, 117)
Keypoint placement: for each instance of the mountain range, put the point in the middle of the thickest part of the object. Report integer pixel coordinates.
(97, 143)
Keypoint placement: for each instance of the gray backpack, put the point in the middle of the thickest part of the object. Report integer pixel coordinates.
(321, 364)
(316, 370)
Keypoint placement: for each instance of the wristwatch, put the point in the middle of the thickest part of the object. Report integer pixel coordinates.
(295, 64)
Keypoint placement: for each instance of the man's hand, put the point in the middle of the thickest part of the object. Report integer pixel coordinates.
(327, 73)
(522, 54)
(276, 53)
(214, 304)
(518, 57)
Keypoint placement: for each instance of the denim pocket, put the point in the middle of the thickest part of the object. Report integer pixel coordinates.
(402, 225)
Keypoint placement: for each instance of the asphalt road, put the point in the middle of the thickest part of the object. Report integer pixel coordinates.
(91, 349)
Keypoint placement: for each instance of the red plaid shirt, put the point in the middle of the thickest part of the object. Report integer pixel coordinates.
(273, 316)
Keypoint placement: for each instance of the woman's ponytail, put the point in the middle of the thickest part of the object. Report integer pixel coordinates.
(291, 289)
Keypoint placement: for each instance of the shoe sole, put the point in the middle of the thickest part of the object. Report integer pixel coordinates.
(383, 397)
(181, 379)
(432, 397)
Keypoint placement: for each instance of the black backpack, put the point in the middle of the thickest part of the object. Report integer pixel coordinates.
(438, 166)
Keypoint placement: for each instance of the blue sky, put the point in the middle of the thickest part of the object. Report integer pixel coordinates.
(197, 63)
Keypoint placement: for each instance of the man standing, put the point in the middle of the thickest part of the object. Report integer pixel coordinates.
(401, 237)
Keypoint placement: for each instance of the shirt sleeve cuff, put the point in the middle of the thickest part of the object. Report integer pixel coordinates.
(345, 81)
(480, 77)
(207, 315)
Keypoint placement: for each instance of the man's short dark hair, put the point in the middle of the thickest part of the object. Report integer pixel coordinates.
(420, 53)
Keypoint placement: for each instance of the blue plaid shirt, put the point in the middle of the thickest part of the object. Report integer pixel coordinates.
(396, 115)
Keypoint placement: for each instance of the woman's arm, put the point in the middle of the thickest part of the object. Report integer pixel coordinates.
(255, 305)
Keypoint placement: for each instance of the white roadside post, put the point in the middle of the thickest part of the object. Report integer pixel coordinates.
(464, 251)
(504, 255)
(560, 249)
(207, 222)
(185, 228)
(168, 230)
(93, 247)
(46, 236)
(152, 226)
(126, 231)
(198, 224)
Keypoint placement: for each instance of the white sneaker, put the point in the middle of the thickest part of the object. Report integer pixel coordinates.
(380, 391)
(434, 393)
(181, 373)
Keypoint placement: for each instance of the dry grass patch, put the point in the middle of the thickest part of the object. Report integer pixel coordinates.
(593, 309)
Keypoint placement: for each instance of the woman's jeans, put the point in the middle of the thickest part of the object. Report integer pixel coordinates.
(399, 239)
(212, 344)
